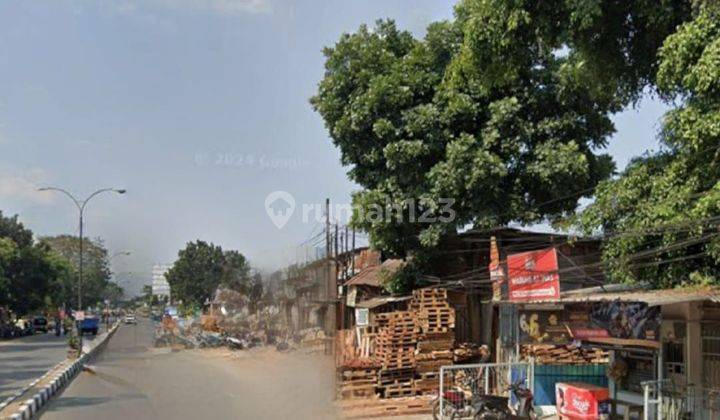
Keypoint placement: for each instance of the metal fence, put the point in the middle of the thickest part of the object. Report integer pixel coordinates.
(667, 400)
(482, 379)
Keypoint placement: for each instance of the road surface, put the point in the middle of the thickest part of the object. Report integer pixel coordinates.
(24, 359)
(133, 380)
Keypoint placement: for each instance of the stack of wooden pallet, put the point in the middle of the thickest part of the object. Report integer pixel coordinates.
(436, 319)
(402, 407)
(551, 354)
(434, 313)
(358, 383)
(395, 352)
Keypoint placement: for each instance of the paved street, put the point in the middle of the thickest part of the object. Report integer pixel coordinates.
(132, 380)
(26, 358)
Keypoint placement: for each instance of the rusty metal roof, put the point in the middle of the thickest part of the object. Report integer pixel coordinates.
(635, 294)
(371, 276)
(379, 301)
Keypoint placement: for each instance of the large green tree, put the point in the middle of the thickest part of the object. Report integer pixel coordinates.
(197, 273)
(31, 275)
(504, 110)
(96, 268)
(236, 272)
(661, 216)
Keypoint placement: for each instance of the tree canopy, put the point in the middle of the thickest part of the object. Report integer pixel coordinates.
(505, 110)
(661, 216)
(201, 267)
(97, 285)
(32, 277)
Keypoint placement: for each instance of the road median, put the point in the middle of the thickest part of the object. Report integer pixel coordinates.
(27, 402)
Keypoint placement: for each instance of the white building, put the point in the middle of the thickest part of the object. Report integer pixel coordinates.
(160, 286)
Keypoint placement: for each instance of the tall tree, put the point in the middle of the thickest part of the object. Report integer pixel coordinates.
(236, 272)
(503, 110)
(662, 214)
(196, 274)
(96, 267)
(31, 276)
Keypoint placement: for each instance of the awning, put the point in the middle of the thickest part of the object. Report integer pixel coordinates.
(379, 301)
(625, 293)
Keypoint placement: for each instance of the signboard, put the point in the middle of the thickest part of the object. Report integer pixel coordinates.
(578, 400)
(497, 275)
(79, 315)
(351, 298)
(533, 275)
(362, 317)
(591, 321)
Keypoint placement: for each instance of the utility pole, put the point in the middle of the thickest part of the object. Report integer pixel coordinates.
(347, 255)
(327, 228)
(353, 248)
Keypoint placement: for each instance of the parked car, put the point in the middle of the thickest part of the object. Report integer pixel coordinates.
(90, 324)
(40, 324)
(130, 319)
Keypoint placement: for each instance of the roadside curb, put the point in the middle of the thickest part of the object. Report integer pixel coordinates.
(53, 382)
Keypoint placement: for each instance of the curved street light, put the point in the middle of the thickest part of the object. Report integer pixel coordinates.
(118, 254)
(80, 204)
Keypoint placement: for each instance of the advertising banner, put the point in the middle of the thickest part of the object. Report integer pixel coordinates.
(593, 321)
(576, 400)
(533, 275)
(497, 276)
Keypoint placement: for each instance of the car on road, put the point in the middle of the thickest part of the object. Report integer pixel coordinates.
(130, 319)
(90, 324)
(40, 324)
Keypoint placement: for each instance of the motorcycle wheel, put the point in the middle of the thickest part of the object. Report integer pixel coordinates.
(449, 411)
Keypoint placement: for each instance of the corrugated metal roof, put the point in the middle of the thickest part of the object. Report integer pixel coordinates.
(651, 297)
(378, 301)
(371, 276)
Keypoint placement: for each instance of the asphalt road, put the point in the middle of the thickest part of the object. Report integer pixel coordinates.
(24, 359)
(133, 380)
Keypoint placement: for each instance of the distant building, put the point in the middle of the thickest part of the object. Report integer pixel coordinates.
(160, 286)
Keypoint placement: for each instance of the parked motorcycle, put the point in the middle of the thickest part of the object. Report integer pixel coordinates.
(457, 405)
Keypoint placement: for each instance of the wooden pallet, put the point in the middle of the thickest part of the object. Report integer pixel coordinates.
(407, 406)
(400, 390)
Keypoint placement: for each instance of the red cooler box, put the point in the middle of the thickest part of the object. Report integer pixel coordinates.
(578, 400)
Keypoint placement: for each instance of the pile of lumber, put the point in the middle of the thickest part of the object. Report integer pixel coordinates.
(358, 383)
(567, 355)
(395, 352)
(466, 353)
(434, 313)
(435, 352)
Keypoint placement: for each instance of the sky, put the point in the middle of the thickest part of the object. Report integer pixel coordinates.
(199, 108)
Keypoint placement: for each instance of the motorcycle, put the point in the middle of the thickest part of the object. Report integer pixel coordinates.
(456, 405)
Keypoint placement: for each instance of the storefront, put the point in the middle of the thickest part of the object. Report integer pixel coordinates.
(643, 336)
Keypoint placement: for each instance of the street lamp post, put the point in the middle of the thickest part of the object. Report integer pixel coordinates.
(80, 204)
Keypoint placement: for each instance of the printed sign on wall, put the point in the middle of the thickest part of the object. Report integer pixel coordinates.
(588, 321)
(533, 275)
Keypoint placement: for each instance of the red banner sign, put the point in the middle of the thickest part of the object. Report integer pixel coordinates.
(533, 275)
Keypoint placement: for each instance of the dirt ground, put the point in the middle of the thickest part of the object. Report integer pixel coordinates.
(296, 384)
(303, 383)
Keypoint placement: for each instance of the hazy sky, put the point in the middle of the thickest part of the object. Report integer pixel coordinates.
(198, 107)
